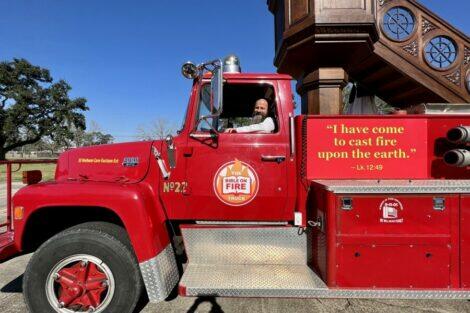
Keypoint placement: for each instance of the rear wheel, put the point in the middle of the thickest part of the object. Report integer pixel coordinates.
(87, 268)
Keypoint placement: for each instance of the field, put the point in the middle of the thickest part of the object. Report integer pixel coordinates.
(47, 170)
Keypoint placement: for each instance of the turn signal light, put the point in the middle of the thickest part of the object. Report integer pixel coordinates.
(18, 212)
(32, 177)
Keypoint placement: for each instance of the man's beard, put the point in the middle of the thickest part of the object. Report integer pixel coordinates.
(257, 118)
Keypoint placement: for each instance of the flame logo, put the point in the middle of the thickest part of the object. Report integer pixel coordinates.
(236, 183)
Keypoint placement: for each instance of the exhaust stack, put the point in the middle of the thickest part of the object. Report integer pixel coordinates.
(457, 157)
(459, 134)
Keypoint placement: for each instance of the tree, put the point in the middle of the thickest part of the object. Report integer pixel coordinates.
(159, 129)
(80, 138)
(45, 144)
(32, 106)
(96, 138)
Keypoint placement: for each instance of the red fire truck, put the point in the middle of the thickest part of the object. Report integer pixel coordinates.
(322, 207)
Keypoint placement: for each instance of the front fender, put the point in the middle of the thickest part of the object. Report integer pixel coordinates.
(136, 205)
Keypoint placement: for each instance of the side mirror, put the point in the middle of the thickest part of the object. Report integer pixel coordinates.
(214, 105)
(216, 90)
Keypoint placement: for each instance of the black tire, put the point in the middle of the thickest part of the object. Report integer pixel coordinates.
(105, 241)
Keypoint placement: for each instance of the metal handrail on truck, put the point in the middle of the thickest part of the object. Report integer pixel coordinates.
(9, 166)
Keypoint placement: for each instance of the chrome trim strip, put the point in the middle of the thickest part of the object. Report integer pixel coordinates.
(330, 293)
(240, 223)
(288, 281)
(160, 274)
(395, 186)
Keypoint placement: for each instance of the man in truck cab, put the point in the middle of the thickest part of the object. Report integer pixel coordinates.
(260, 122)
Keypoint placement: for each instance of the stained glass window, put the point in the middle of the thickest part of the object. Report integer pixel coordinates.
(398, 23)
(441, 52)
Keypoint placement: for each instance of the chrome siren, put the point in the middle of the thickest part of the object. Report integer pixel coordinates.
(232, 64)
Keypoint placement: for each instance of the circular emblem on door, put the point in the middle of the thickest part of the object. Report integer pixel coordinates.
(236, 183)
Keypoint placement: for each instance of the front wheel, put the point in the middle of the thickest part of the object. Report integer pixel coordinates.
(87, 268)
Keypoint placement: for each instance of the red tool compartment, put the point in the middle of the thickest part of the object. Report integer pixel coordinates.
(387, 234)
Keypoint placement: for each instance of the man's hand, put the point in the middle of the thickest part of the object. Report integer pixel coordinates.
(230, 130)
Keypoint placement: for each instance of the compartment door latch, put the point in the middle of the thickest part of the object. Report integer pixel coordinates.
(346, 203)
(318, 223)
(439, 203)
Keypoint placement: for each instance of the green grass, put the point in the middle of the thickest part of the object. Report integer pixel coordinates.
(48, 171)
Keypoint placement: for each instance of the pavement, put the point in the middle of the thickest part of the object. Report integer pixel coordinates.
(11, 299)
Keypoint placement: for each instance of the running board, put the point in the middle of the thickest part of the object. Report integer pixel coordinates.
(222, 245)
(285, 281)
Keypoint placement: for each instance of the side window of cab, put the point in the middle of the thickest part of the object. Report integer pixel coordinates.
(239, 108)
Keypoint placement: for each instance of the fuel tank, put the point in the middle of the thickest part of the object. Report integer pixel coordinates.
(121, 163)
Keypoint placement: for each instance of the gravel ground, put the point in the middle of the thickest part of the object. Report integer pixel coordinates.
(11, 299)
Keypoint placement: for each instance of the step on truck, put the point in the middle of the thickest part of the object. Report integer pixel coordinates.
(319, 206)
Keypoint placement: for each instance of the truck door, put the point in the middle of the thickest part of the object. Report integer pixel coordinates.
(239, 176)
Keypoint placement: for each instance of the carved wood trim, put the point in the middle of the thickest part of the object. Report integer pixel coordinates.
(418, 74)
(412, 48)
(358, 31)
(427, 26)
(454, 77)
(466, 58)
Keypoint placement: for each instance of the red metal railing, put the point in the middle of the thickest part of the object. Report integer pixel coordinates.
(9, 166)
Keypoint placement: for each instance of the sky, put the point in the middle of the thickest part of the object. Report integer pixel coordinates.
(125, 56)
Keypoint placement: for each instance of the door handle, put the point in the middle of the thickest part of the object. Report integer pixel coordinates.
(203, 135)
(273, 158)
(187, 151)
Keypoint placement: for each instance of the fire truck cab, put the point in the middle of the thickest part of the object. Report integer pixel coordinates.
(321, 207)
